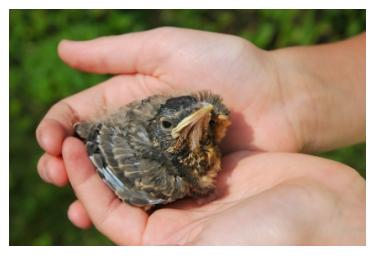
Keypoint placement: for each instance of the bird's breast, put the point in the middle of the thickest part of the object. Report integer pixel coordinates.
(199, 168)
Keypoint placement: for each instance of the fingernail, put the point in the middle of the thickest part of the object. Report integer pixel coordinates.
(42, 170)
(42, 138)
(47, 172)
(39, 136)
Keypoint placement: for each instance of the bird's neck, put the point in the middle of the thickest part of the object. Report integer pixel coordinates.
(199, 167)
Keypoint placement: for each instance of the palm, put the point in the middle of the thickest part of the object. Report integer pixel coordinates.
(257, 203)
(260, 200)
(187, 222)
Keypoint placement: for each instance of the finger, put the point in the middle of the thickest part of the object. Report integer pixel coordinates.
(52, 170)
(77, 214)
(114, 54)
(122, 223)
(42, 170)
(90, 104)
(55, 126)
(53, 129)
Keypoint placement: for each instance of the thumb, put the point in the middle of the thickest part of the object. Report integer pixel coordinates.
(127, 53)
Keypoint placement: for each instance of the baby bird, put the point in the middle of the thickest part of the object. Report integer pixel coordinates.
(159, 149)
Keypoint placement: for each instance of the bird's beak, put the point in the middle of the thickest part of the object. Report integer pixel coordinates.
(201, 116)
(193, 127)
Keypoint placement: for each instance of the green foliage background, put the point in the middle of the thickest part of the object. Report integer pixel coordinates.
(38, 79)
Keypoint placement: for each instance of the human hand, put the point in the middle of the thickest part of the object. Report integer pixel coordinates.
(164, 60)
(261, 199)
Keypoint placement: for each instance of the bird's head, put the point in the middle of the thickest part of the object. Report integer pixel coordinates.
(189, 121)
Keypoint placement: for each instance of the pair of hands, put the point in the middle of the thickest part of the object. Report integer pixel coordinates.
(265, 193)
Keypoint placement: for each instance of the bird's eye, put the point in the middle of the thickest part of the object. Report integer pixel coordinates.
(166, 124)
(212, 122)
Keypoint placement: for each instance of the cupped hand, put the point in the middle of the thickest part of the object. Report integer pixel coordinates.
(261, 199)
(172, 60)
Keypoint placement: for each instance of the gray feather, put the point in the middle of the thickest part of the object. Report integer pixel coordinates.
(116, 146)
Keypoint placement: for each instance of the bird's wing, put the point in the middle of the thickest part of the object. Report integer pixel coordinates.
(134, 178)
(123, 154)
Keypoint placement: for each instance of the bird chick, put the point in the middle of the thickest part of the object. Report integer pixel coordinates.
(159, 149)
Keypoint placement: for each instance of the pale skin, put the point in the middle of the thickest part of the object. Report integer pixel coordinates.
(303, 99)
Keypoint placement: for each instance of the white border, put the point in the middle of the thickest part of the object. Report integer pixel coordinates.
(186, 4)
(180, 253)
(369, 129)
(4, 135)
